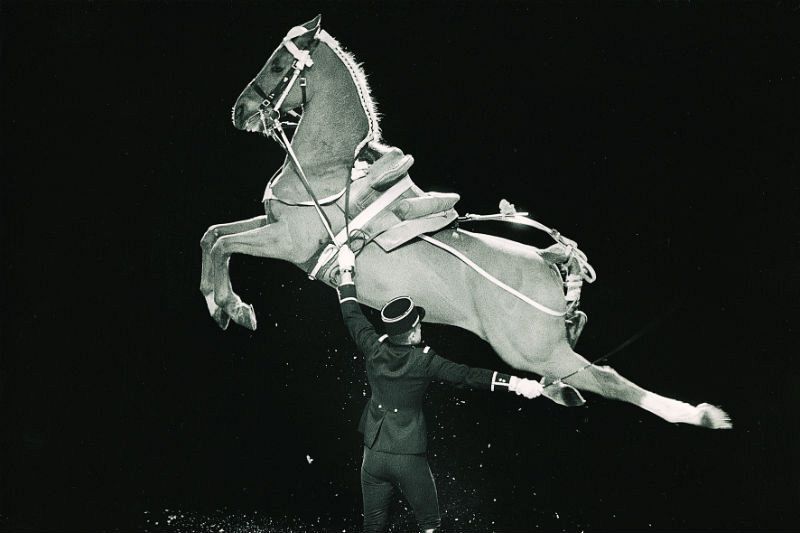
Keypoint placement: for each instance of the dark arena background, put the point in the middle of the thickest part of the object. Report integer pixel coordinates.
(662, 137)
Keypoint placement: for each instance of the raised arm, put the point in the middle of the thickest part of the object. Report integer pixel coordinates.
(478, 378)
(361, 330)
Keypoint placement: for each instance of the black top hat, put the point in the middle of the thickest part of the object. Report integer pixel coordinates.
(400, 315)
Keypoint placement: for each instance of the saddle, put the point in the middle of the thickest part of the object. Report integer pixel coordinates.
(383, 206)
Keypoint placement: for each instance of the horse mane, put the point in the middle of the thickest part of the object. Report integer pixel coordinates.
(362, 85)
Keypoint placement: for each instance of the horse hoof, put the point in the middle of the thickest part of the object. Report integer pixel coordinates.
(221, 318)
(713, 417)
(245, 316)
(563, 394)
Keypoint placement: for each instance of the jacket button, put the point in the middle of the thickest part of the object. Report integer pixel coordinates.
(395, 410)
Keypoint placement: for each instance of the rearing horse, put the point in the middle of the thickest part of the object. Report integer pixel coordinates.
(310, 70)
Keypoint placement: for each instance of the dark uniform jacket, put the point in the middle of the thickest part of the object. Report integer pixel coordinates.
(398, 375)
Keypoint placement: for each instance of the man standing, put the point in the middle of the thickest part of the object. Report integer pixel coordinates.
(399, 370)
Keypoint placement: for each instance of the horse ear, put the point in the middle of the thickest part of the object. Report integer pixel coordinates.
(313, 24)
(305, 33)
(306, 38)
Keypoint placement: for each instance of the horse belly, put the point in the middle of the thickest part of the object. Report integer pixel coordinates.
(521, 334)
(453, 293)
(430, 277)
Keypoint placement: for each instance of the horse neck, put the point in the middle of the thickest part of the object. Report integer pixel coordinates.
(334, 121)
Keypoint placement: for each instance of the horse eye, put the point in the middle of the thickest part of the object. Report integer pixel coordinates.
(276, 68)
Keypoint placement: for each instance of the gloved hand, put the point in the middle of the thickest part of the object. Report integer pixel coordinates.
(526, 387)
(347, 259)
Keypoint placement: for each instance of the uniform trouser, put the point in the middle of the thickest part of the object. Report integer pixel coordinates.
(381, 472)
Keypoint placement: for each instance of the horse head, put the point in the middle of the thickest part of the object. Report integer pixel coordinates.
(283, 84)
(310, 72)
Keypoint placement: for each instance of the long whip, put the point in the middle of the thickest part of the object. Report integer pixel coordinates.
(630, 340)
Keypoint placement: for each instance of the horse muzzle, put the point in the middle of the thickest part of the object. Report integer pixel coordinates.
(262, 121)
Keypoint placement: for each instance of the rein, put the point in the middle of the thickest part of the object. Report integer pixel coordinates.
(284, 142)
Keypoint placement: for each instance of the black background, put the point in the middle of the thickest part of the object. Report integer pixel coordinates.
(662, 137)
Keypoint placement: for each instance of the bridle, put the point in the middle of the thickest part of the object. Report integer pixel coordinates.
(269, 108)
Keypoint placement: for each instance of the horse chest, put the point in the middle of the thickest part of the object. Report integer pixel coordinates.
(327, 184)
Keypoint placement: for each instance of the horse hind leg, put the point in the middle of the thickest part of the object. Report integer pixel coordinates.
(605, 381)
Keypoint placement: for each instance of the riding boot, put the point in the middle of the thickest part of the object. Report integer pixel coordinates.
(556, 254)
(574, 322)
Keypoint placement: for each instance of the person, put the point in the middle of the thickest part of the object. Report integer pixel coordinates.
(399, 370)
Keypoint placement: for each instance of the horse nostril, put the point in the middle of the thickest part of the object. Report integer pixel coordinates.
(239, 113)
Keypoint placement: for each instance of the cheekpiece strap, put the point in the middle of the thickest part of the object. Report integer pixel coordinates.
(303, 57)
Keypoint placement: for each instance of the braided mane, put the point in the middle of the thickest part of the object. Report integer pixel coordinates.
(362, 86)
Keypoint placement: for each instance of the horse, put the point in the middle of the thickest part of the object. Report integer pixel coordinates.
(337, 119)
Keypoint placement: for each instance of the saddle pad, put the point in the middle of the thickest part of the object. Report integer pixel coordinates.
(383, 226)
(385, 206)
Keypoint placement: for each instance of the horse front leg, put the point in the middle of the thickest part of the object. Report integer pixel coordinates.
(210, 238)
(607, 382)
(271, 241)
